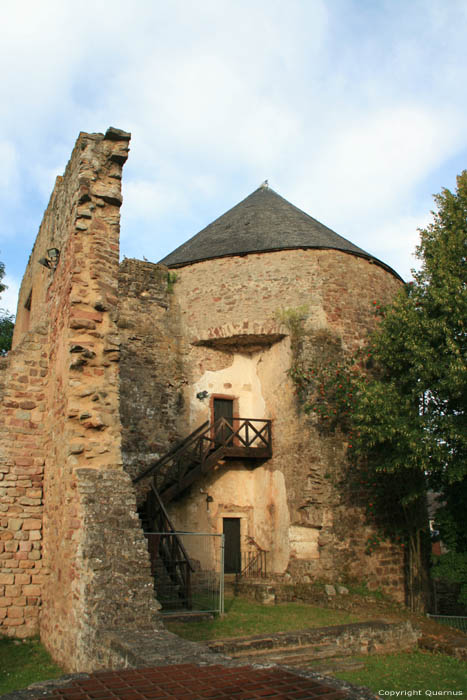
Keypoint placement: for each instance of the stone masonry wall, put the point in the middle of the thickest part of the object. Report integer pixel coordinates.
(151, 378)
(21, 474)
(83, 426)
(223, 303)
(69, 315)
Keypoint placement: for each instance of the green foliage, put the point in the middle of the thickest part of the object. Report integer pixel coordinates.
(403, 399)
(294, 320)
(452, 566)
(2, 274)
(24, 662)
(450, 521)
(7, 324)
(326, 389)
(7, 321)
(171, 279)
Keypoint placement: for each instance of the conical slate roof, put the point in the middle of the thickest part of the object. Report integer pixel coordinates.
(264, 221)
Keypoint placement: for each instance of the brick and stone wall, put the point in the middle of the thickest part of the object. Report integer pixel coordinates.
(104, 373)
(294, 505)
(21, 480)
(69, 522)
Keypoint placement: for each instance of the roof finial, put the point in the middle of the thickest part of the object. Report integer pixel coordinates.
(264, 185)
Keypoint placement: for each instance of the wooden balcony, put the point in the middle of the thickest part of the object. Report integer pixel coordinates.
(241, 438)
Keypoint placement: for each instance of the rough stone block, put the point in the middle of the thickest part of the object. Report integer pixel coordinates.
(15, 611)
(15, 524)
(32, 524)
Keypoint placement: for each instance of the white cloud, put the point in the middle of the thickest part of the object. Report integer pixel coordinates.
(150, 200)
(8, 165)
(374, 162)
(9, 298)
(348, 108)
(394, 241)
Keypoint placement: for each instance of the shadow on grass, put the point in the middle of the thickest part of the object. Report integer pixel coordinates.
(244, 617)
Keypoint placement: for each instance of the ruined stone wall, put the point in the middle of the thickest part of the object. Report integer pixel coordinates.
(69, 314)
(228, 311)
(151, 377)
(21, 474)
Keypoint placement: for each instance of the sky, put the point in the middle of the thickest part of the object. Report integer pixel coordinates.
(354, 110)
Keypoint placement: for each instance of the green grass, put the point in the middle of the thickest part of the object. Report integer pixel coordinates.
(244, 618)
(23, 663)
(409, 671)
(26, 662)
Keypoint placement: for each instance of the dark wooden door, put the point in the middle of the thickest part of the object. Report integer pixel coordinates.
(223, 408)
(232, 556)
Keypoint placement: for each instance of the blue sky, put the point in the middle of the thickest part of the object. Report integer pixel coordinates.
(354, 110)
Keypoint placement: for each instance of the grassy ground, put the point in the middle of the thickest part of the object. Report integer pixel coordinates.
(415, 671)
(244, 618)
(26, 662)
(23, 663)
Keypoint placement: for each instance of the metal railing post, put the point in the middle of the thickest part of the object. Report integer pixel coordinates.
(221, 581)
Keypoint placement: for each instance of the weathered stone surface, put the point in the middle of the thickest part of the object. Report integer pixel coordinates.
(294, 506)
(53, 409)
(114, 583)
(151, 375)
(113, 134)
(339, 640)
(107, 368)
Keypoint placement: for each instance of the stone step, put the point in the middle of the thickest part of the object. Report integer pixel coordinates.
(339, 640)
(307, 659)
(291, 657)
(316, 651)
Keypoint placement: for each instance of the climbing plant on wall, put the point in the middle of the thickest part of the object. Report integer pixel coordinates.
(402, 400)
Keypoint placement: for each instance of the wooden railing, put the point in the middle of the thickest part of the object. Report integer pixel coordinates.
(247, 438)
(179, 468)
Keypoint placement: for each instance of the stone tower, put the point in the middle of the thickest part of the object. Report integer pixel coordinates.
(113, 364)
(220, 325)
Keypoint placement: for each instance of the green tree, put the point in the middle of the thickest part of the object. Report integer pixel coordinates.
(7, 320)
(7, 324)
(403, 400)
(2, 274)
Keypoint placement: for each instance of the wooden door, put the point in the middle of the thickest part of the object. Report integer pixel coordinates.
(232, 551)
(223, 408)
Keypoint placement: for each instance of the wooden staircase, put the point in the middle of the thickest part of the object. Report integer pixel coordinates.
(171, 475)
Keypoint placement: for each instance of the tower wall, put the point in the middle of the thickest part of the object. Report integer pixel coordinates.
(235, 345)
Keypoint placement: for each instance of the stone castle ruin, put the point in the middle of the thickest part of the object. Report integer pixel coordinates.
(157, 395)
